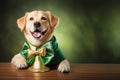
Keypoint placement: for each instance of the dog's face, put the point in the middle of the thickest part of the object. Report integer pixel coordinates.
(38, 26)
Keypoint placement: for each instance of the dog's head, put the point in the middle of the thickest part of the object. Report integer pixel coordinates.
(38, 26)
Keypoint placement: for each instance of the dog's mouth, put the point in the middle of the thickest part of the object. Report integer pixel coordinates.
(38, 34)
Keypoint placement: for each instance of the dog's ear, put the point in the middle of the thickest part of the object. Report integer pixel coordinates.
(22, 21)
(53, 20)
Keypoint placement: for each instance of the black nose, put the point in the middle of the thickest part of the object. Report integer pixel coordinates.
(37, 24)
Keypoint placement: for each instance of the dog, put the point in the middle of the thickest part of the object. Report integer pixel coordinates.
(38, 27)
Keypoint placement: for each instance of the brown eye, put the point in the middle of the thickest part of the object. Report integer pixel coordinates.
(43, 18)
(31, 18)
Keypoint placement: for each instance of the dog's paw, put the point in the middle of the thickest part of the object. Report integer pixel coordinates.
(64, 66)
(19, 62)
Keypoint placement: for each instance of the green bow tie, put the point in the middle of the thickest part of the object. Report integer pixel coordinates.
(41, 51)
(53, 53)
(45, 59)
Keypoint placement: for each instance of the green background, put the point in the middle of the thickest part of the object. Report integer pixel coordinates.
(88, 31)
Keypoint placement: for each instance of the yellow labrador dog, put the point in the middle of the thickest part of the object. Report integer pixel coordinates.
(38, 27)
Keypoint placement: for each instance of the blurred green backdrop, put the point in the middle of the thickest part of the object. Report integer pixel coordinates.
(88, 31)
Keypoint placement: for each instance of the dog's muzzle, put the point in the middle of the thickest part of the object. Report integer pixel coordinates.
(39, 31)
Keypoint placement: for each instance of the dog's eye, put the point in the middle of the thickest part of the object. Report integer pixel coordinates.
(43, 18)
(31, 18)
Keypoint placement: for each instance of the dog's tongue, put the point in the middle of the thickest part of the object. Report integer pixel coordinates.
(37, 34)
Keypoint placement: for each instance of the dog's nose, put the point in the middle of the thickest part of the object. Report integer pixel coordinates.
(37, 24)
